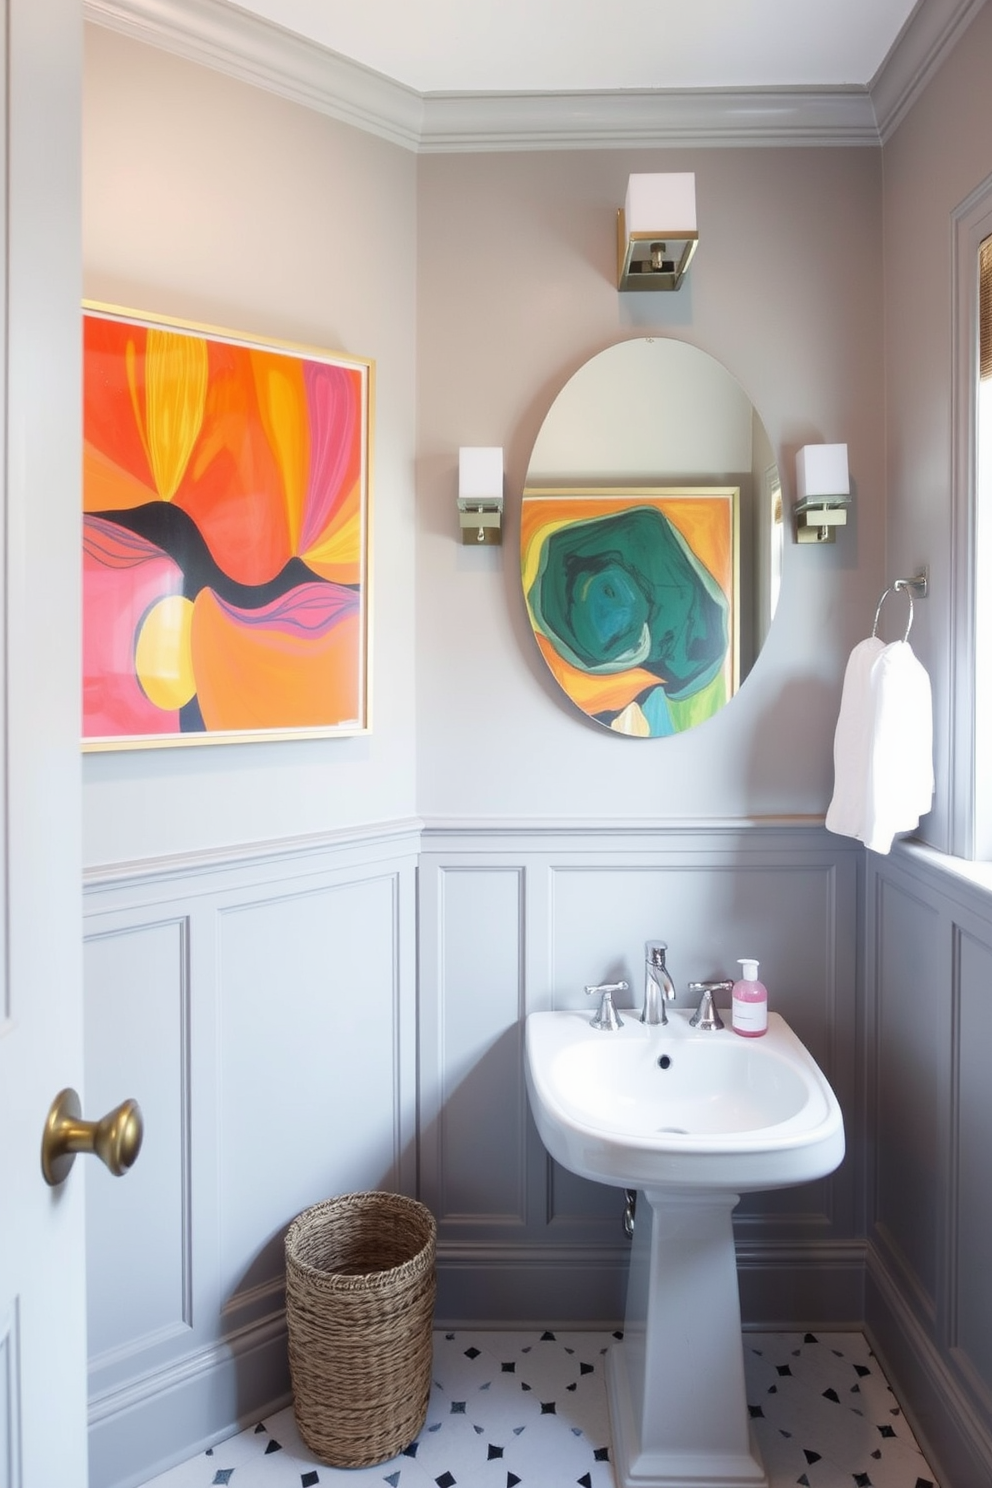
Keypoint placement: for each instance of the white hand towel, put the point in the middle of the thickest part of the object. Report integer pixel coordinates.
(883, 746)
(852, 742)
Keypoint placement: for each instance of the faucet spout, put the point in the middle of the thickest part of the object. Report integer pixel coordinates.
(658, 985)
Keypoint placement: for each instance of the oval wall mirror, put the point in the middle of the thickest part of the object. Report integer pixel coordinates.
(651, 537)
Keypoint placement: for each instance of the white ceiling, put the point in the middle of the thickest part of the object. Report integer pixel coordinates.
(563, 45)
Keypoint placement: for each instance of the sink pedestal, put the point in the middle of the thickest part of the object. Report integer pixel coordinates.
(677, 1399)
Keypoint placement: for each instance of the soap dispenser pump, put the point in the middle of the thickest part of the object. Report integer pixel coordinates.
(749, 1002)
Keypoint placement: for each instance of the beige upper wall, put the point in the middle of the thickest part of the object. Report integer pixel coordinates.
(478, 283)
(212, 200)
(517, 289)
(941, 153)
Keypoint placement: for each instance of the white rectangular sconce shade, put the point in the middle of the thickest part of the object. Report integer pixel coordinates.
(821, 471)
(480, 494)
(823, 491)
(656, 231)
(480, 473)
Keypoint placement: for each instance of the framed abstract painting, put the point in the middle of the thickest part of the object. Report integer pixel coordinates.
(226, 519)
(633, 597)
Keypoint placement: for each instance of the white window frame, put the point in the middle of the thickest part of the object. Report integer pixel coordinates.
(971, 568)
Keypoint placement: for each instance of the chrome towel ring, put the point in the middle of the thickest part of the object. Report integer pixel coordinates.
(919, 582)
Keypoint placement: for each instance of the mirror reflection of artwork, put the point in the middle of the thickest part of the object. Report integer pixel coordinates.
(648, 421)
(632, 596)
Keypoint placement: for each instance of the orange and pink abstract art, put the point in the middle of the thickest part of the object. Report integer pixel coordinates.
(225, 536)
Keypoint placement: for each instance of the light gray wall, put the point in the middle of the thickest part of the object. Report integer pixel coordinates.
(929, 1040)
(208, 199)
(231, 963)
(517, 289)
(929, 927)
(937, 157)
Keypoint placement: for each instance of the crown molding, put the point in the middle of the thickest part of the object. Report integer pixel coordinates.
(644, 117)
(233, 41)
(932, 30)
(244, 46)
(220, 35)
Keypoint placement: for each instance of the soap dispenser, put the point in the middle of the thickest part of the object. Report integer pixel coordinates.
(749, 1016)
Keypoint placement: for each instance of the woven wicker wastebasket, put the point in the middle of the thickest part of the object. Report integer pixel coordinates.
(360, 1289)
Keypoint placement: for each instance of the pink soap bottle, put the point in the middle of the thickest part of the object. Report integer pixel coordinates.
(749, 1015)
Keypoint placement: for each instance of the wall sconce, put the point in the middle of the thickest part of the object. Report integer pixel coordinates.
(480, 494)
(656, 231)
(823, 492)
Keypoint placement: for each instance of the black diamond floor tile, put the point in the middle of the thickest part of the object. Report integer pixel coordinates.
(527, 1409)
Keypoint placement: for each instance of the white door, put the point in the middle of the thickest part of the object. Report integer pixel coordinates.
(42, 1309)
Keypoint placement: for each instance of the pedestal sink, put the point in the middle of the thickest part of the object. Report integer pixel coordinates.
(691, 1119)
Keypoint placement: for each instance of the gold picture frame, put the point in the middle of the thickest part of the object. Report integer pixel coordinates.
(227, 498)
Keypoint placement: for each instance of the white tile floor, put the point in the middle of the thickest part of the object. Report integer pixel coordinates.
(530, 1409)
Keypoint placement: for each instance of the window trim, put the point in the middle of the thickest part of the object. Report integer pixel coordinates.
(970, 806)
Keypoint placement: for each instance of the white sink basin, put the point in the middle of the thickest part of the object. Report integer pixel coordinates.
(649, 1107)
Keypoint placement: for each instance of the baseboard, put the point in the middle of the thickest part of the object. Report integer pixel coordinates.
(788, 1286)
(953, 1437)
(172, 1414)
(497, 1286)
(792, 1286)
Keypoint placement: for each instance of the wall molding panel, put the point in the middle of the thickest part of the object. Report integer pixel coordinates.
(928, 1305)
(347, 1012)
(578, 901)
(953, 1434)
(141, 1043)
(10, 1405)
(270, 992)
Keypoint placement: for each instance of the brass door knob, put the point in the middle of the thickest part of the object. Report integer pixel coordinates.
(116, 1139)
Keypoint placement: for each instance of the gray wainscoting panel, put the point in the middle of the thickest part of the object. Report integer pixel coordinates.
(308, 1032)
(10, 1429)
(928, 1301)
(972, 1179)
(278, 1021)
(518, 919)
(479, 1172)
(911, 1046)
(261, 1007)
(138, 1239)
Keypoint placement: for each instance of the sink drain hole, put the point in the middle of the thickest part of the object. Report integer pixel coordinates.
(665, 1061)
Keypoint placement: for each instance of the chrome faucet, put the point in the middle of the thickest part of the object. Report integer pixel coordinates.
(658, 985)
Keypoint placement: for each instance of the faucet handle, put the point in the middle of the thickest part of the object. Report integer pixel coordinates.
(606, 1017)
(706, 1015)
(654, 952)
